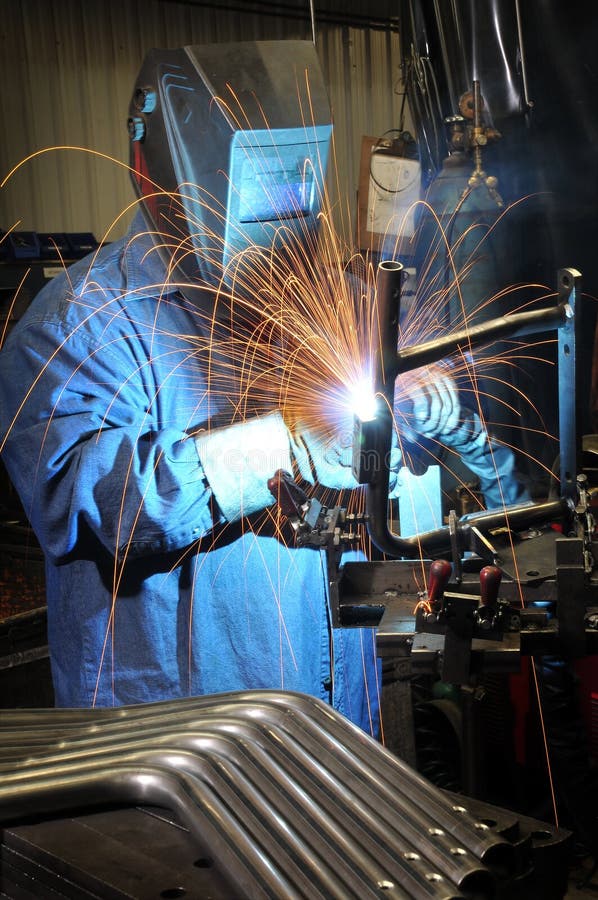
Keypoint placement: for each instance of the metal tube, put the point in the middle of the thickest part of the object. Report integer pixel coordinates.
(270, 747)
(384, 344)
(388, 365)
(365, 837)
(438, 542)
(514, 326)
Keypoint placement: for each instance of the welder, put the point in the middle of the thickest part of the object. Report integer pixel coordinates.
(166, 575)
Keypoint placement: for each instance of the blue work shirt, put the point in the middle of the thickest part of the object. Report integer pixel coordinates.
(151, 594)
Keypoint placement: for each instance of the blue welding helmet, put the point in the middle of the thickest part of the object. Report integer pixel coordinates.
(229, 142)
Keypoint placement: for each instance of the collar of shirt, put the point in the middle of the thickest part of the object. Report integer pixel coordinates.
(143, 268)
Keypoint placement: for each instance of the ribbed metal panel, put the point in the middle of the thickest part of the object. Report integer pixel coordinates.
(68, 67)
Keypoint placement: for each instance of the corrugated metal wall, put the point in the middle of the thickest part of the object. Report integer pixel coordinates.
(67, 69)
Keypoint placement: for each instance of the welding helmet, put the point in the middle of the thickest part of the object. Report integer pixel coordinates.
(229, 147)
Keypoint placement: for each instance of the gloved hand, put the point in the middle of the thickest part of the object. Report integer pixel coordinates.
(324, 459)
(239, 459)
(426, 403)
(328, 460)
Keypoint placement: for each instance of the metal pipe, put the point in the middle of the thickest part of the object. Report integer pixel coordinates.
(513, 326)
(384, 344)
(527, 102)
(438, 542)
(388, 365)
(204, 812)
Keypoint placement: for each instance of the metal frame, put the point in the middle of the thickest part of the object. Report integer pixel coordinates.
(388, 364)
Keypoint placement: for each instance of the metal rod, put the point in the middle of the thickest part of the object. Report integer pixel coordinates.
(528, 103)
(514, 326)
(570, 388)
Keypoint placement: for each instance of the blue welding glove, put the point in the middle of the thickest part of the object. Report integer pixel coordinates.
(493, 463)
(426, 403)
(239, 459)
(328, 460)
(395, 463)
(324, 459)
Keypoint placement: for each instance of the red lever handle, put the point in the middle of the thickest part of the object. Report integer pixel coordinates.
(440, 572)
(490, 578)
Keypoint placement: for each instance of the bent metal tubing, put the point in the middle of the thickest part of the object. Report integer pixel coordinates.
(292, 799)
(388, 364)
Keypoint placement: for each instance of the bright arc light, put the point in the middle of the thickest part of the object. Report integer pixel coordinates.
(363, 401)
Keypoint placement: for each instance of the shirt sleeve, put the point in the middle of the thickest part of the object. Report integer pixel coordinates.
(83, 444)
